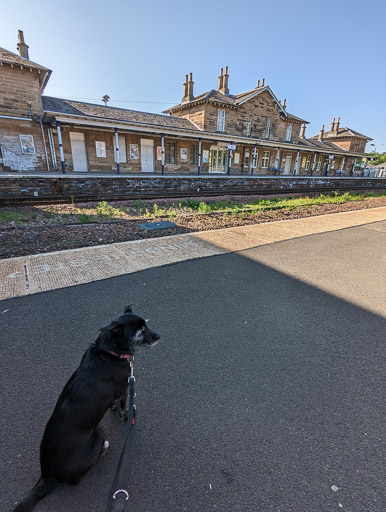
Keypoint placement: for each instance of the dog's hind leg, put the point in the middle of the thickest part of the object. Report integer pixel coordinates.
(93, 450)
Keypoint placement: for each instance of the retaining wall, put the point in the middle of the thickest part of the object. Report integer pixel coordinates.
(81, 188)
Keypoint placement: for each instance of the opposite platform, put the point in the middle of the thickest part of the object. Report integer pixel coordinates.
(49, 271)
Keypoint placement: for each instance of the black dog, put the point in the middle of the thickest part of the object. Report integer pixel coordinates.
(73, 441)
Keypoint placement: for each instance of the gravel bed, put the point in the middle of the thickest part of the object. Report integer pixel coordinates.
(40, 229)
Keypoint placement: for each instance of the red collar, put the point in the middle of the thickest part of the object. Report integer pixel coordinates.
(122, 356)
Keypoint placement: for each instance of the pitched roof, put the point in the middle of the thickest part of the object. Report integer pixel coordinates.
(14, 59)
(342, 133)
(218, 97)
(77, 108)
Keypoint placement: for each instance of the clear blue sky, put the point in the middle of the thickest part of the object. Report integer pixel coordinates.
(326, 58)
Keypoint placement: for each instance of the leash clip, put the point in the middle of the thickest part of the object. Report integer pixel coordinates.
(121, 490)
(131, 370)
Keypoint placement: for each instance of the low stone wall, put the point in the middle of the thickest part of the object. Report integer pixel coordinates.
(81, 188)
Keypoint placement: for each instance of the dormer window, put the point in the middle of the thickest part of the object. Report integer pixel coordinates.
(289, 133)
(249, 126)
(221, 120)
(268, 129)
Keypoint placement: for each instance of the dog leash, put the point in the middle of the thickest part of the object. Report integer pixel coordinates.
(119, 495)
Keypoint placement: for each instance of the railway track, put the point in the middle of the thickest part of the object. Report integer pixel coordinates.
(83, 198)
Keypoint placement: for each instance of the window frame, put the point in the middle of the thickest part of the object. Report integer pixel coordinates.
(288, 134)
(308, 163)
(193, 154)
(265, 160)
(249, 126)
(268, 128)
(221, 120)
(170, 151)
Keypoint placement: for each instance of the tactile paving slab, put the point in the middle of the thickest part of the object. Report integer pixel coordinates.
(12, 278)
(68, 268)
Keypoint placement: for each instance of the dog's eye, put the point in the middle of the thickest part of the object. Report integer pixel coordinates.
(144, 328)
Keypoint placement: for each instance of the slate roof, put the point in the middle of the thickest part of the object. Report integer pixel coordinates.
(218, 97)
(77, 108)
(342, 133)
(15, 59)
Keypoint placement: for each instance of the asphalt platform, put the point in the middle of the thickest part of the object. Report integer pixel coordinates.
(265, 393)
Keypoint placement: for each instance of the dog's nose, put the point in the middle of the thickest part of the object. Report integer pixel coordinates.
(156, 336)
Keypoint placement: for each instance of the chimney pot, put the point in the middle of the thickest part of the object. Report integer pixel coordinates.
(337, 125)
(262, 82)
(284, 103)
(332, 124)
(303, 131)
(258, 84)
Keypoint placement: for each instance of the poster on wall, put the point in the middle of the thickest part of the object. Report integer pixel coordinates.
(100, 149)
(205, 156)
(134, 154)
(27, 144)
(184, 155)
(159, 152)
(237, 158)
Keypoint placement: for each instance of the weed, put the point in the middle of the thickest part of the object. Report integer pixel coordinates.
(83, 218)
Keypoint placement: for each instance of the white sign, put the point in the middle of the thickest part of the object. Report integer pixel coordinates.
(232, 147)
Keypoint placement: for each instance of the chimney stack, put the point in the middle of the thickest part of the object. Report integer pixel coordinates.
(224, 81)
(337, 125)
(220, 79)
(190, 87)
(22, 47)
(321, 133)
(303, 131)
(185, 84)
(332, 125)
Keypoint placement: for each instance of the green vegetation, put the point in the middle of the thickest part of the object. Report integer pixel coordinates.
(83, 218)
(15, 217)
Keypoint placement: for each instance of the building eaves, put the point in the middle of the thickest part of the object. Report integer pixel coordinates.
(13, 59)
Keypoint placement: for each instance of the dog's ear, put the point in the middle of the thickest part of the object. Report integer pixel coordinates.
(115, 330)
(128, 309)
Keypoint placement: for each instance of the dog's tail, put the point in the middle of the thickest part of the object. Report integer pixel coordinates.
(43, 487)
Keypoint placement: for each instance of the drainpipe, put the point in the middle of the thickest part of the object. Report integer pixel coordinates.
(277, 160)
(44, 143)
(230, 160)
(353, 167)
(60, 147)
(296, 162)
(199, 156)
(117, 151)
(254, 159)
(313, 165)
(52, 148)
(163, 153)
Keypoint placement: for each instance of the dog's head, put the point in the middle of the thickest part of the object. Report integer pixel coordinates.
(127, 333)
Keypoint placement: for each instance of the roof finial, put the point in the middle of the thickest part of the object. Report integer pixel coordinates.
(105, 99)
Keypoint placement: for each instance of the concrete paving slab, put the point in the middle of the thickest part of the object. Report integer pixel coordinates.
(68, 268)
(171, 249)
(12, 278)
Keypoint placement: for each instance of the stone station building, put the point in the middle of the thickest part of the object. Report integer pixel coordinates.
(215, 132)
